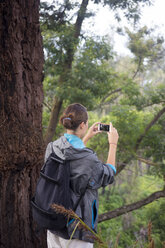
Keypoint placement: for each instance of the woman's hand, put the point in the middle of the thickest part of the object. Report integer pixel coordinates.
(93, 130)
(113, 135)
(113, 139)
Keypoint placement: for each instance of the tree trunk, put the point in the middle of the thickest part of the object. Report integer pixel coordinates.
(21, 96)
(54, 117)
(57, 104)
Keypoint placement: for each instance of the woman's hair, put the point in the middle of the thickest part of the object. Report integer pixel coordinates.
(73, 116)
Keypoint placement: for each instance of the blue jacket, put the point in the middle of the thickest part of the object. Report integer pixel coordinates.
(88, 174)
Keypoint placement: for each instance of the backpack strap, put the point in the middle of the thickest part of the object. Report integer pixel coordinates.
(43, 167)
(75, 207)
(52, 146)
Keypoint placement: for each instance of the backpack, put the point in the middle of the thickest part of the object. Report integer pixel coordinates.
(53, 187)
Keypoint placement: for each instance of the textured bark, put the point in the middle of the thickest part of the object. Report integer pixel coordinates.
(128, 208)
(21, 96)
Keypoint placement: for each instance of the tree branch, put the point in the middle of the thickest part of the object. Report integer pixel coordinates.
(47, 105)
(80, 18)
(123, 165)
(128, 208)
(146, 161)
(151, 104)
(110, 93)
(139, 140)
(138, 68)
(108, 102)
(120, 89)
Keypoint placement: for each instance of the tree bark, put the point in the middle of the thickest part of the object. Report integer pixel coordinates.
(21, 143)
(80, 18)
(128, 208)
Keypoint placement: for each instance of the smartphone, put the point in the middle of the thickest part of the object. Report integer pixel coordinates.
(103, 127)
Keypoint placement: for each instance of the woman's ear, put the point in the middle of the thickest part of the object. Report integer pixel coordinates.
(82, 125)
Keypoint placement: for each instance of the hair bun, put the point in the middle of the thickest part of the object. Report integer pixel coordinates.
(73, 115)
(66, 121)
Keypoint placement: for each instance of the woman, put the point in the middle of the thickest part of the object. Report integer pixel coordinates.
(88, 174)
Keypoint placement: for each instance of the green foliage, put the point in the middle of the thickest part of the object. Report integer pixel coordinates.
(144, 96)
(89, 71)
(145, 46)
(130, 8)
(55, 14)
(57, 45)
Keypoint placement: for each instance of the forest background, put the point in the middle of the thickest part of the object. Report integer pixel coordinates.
(127, 90)
(82, 67)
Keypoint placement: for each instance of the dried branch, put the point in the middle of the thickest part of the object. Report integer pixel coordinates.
(150, 239)
(71, 214)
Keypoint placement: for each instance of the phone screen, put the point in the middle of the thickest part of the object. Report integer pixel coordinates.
(104, 127)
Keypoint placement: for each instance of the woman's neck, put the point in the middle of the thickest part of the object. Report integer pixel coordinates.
(74, 133)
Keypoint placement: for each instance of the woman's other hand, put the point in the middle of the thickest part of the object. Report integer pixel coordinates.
(93, 130)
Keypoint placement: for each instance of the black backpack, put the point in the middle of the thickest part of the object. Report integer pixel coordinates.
(53, 187)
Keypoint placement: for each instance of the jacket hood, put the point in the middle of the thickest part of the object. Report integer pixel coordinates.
(66, 151)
